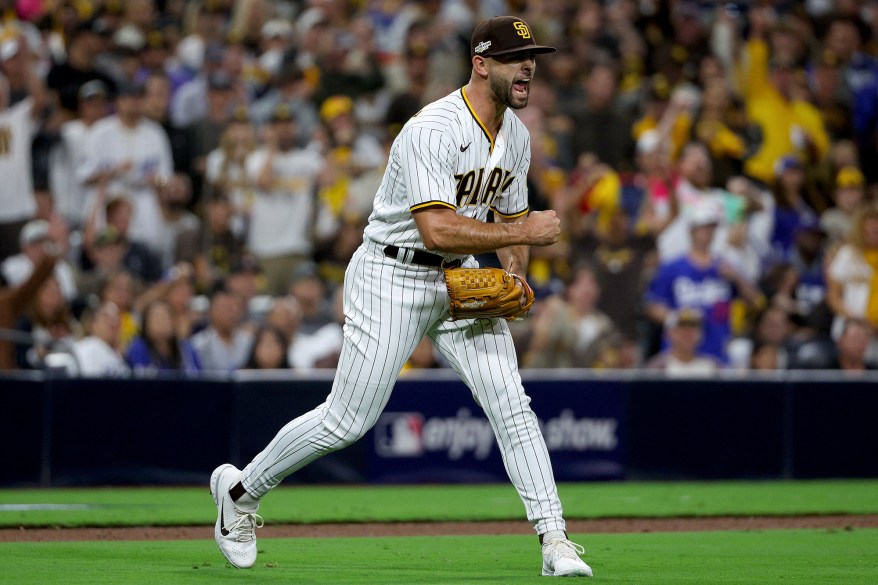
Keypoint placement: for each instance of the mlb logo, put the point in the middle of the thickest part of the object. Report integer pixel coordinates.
(400, 434)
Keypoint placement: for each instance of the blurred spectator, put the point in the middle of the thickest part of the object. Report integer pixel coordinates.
(844, 37)
(49, 321)
(714, 125)
(103, 247)
(225, 169)
(36, 243)
(828, 88)
(19, 122)
(69, 193)
(698, 280)
(130, 154)
(155, 55)
(804, 296)
(106, 255)
(407, 102)
(591, 196)
(269, 350)
(852, 346)
(682, 358)
(177, 289)
(67, 78)
(246, 280)
(570, 332)
(284, 314)
(766, 358)
(320, 347)
(653, 182)
(189, 103)
(738, 253)
(276, 40)
(156, 108)
(158, 349)
(853, 273)
(13, 302)
(347, 61)
(285, 176)
(289, 87)
(773, 330)
(18, 62)
(667, 114)
(97, 354)
(224, 346)
(176, 219)
(204, 136)
(599, 128)
(214, 249)
(692, 190)
(793, 207)
(622, 260)
(349, 154)
(120, 289)
(311, 293)
(785, 124)
(847, 196)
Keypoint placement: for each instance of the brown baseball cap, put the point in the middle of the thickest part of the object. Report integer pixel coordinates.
(502, 35)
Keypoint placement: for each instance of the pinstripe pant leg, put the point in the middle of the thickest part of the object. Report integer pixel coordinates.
(482, 353)
(387, 312)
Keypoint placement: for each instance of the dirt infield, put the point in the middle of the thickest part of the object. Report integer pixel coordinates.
(603, 525)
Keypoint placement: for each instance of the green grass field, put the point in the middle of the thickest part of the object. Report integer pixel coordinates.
(847, 557)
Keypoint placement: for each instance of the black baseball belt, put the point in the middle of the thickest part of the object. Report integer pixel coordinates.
(409, 256)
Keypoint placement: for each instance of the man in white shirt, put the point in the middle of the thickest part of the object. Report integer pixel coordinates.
(34, 237)
(69, 154)
(282, 215)
(18, 124)
(130, 154)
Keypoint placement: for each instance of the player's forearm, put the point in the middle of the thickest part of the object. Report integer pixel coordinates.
(462, 235)
(443, 230)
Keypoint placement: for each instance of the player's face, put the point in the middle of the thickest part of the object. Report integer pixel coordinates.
(510, 76)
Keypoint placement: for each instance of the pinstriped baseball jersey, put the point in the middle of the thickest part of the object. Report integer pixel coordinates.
(445, 156)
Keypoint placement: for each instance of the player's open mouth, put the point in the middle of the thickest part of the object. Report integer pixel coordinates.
(521, 87)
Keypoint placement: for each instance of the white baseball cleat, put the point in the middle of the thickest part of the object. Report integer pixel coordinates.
(235, 530)
(561, 559)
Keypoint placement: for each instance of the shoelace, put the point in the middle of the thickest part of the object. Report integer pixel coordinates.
(565, 548)
(244, 528)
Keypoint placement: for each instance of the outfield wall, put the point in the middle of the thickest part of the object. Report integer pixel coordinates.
(61, 431)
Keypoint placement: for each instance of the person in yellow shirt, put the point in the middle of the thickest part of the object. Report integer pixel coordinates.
(785, 123)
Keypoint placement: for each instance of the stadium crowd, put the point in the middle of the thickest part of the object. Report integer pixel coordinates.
(182, 183)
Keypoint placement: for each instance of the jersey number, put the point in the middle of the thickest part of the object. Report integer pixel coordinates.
(469, 186)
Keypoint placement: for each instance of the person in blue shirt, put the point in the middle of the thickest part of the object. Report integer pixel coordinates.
(698, 280)
(157, 348)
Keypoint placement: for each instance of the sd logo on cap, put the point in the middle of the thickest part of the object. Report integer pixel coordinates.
(502, 35)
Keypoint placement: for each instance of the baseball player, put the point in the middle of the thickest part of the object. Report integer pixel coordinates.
(453, 161)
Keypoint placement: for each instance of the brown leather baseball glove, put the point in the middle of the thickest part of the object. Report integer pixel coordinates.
(487, 292)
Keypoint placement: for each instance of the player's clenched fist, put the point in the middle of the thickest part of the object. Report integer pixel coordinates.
(544, 227)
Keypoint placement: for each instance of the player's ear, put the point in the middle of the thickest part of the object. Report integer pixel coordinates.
(480, 66)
